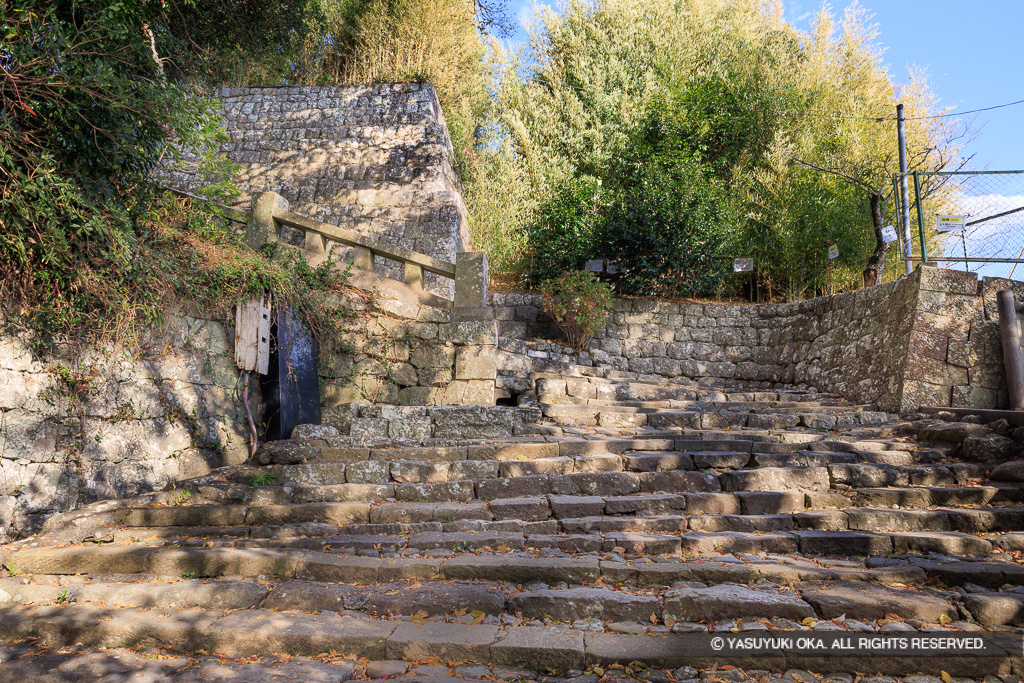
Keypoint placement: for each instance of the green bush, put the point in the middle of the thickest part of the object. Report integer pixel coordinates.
(670, 223)
(579, 303)
(86, 115)
(567, 230)
(659, 212)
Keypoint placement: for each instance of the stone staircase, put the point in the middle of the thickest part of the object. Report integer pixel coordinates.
(611, 520)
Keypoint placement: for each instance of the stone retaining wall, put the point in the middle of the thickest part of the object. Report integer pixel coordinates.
(927, 339)
(96, 423)
(376, 159)
(85, 424)
(395, 352)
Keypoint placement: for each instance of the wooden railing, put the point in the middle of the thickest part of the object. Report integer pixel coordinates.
(270, 210)
(366, 248)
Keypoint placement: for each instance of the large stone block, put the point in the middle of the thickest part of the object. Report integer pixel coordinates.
(482, 332)
(947, 280)
(730, 602)
(29, 435)
(476, 363)
(470, 393)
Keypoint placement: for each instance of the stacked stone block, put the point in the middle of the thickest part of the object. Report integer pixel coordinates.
(931, 338)
(375, 158)
(401, 353)
(91, 423)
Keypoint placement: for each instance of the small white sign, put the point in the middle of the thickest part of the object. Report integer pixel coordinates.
(743, 265)
(949, 223)
(833, 251)
(595, 265)
(889, 234)
(612, 267)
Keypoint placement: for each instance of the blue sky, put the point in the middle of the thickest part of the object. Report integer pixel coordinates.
(971, 50)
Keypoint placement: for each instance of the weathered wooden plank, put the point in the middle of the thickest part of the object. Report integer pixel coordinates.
(252, 335)
(263, 350)
(354, 239)
(247, 329)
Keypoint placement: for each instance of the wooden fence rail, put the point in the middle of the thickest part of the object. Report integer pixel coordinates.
(271, 210)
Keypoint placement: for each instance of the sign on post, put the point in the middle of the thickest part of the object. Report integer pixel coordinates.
(743, 265)
(833, 252)
(889, 234)
(949, 223)
(594, 265)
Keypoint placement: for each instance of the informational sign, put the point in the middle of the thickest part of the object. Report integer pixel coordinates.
(949, 223)
(595, 265)
(833, 251)
(889, 234)
(743, 265)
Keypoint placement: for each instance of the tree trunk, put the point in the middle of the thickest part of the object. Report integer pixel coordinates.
(876, 264)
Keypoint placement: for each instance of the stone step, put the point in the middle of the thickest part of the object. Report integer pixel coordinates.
(258, 632)
(532, 497)
(25, 661)
(668, 535)
(688, 601)
(637, 416)
(736, 563)
(528, 447)
(376, 480)
(702, 534)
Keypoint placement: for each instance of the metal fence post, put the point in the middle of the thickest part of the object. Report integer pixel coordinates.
(920, 217)
(1010, 333)
(904, 200)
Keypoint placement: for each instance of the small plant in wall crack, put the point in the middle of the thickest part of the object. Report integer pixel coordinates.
(263, 479)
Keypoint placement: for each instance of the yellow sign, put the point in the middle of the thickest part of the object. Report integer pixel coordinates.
(949, 223)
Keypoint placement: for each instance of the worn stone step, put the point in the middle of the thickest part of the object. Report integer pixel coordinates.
(224, 594)
(249, 633)
(926, 496)
(970, 520)
(873, 475)
(860, 600)
(318, 566)
(25, 661)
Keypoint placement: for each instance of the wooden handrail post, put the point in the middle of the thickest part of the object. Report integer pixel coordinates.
(262, 228)
(1012, 361)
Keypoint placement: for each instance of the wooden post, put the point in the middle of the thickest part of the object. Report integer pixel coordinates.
(362, 258)
(414, 275)
(1012, 361)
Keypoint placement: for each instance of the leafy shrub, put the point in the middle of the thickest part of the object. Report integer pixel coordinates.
(85, 115)
(670, 221)
(658, 212)
(579, 303)
(567, 230)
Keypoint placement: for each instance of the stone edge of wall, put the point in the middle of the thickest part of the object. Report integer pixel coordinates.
(929, 338)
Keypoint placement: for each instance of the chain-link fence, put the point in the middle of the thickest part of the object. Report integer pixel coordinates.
(967, 220)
